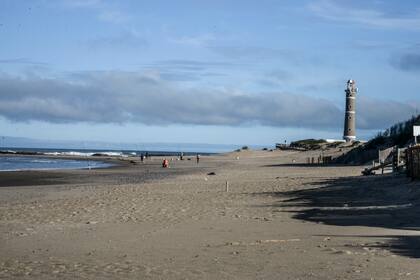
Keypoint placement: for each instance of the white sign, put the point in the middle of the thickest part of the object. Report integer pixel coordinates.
(416, 130)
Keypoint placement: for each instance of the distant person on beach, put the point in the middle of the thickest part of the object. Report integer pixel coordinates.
(142, 158)
(181, 156)
(198, 158)
(165, 163)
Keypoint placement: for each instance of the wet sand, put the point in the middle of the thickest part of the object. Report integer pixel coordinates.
(279, 219)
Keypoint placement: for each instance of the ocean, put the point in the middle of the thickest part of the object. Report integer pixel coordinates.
(31, 158)
(19, 163)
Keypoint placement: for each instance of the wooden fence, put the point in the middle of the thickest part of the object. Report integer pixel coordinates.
(319, 160)
(413, 162)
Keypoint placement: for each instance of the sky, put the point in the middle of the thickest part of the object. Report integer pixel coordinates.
(219, 72)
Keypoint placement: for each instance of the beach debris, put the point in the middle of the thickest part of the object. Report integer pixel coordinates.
(233, 243)
(277, 240)
(367, 172)
(261, 218)
(211, 173)
(263, 241)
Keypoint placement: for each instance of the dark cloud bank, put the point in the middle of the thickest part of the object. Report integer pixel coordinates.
(118, 97)
(407, 62)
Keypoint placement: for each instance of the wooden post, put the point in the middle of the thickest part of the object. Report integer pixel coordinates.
(408, 161)
(416, 163)
(227, 186)
(395, 160)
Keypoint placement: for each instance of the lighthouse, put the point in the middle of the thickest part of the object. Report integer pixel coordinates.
(350, 115)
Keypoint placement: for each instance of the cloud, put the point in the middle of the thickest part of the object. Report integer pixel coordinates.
(376, 113)
(187, 70)
(276, 78)
(189, 65)
(82, 3)
(195, 41)
(371, 45)
(407, 62)
(113, 16)
(22, 61)
(236, 52)
(219, 46)
(122, 97)
(127, 39)
(332, 10)
(280, 75)
(118, 97)
(105, 11)
(252, 52)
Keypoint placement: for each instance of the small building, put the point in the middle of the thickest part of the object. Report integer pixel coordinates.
(416, 133)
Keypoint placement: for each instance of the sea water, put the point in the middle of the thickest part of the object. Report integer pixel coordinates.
(16, 163)
(98, 152)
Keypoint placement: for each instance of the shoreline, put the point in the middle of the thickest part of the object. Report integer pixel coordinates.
(123, 166)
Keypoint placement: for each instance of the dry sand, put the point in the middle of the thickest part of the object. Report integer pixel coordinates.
(278, 220)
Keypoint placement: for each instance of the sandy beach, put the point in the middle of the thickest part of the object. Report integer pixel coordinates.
(278, 218)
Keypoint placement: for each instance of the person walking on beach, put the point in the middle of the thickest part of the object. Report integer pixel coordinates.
(198, 158)
(142, 158)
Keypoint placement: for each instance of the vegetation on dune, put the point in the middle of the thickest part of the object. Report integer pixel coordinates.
(309, 144)
(400, 134)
